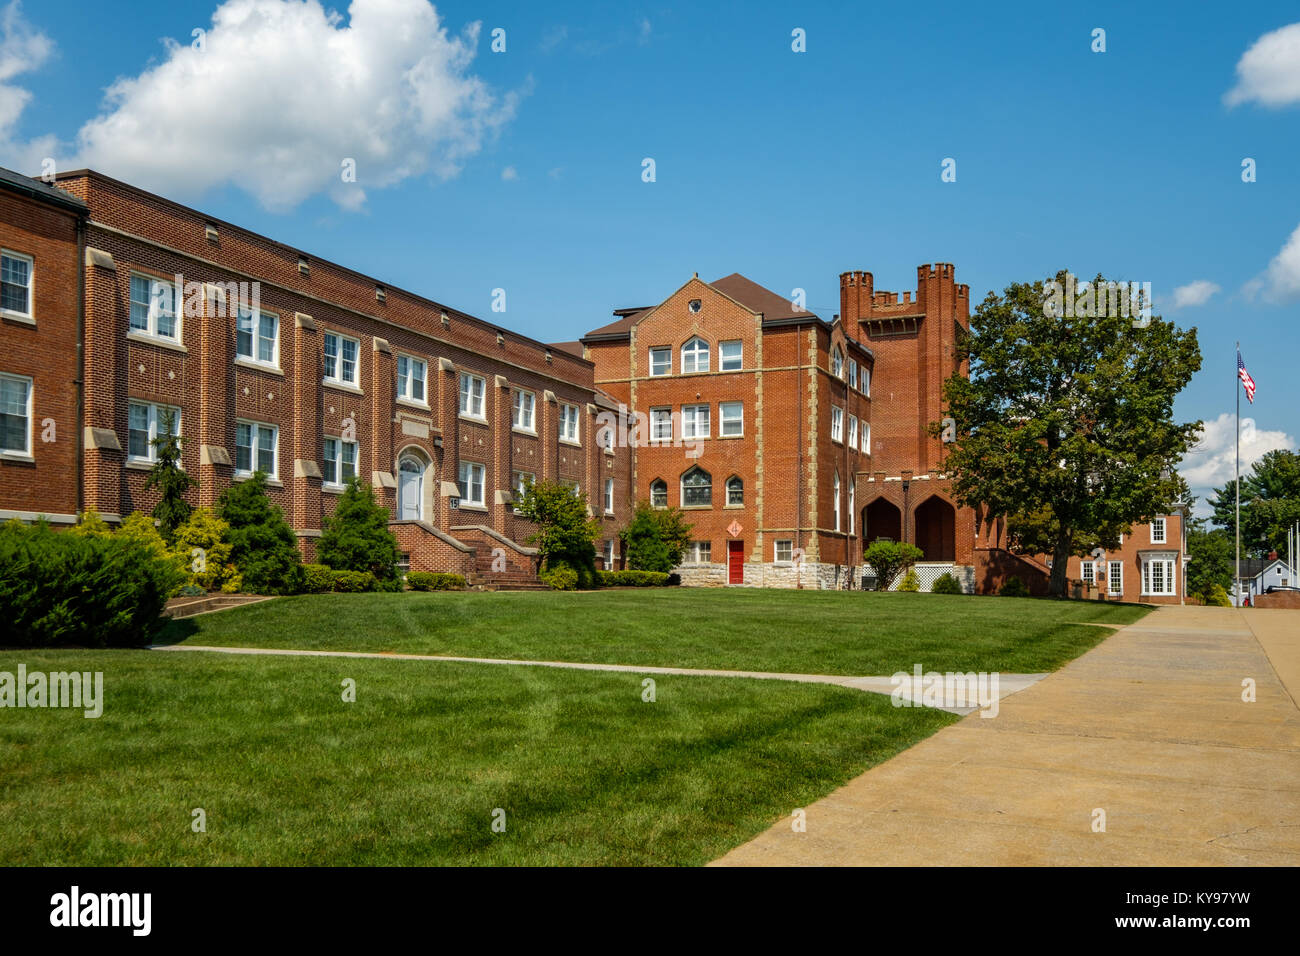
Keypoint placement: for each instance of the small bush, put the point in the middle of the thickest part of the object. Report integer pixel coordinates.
(633, 579)
(1218, 597)
(1013, 587)
(910, 583)
(354, 582)
(200, 545)
(560, 578)
(61, 590)
(318, 578)
(434, 581)
(191, 590)
(263, 546)
(674, 580)
(356, 537)
(946, 584)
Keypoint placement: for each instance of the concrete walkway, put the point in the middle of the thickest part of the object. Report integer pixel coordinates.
(1008, 684)
(1149, 727)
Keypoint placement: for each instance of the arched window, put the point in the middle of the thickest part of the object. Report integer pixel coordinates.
(837, 501)
(735, 491)
(697, 487)
(837, 363)
(695, 355)
(659, 493)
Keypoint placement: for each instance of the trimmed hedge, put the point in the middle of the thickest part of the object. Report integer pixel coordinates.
(634, 579)
(353, 582)
(62, 589)
(434, 581)
(319, 578)
(560, 578)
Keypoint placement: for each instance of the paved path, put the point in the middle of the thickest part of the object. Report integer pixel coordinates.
(1149, 726)
(1008, 684)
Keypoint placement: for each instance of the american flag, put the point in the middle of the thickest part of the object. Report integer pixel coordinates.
(1245, 379)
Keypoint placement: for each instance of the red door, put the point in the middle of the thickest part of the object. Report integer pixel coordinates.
(735, 562)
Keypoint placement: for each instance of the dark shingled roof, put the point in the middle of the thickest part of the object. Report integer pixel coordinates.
(573, 348)
(758, 299)
(17, 182)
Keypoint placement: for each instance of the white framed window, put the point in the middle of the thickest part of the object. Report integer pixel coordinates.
(607, 552)
(609, 496)
(853, 507)
(471, 483)
(412, 373)
(697, 487)
(16, 272)
(698, 552)
(735, 490)
(1087, 573)
(695, 421)
(853, 372)
(1158, 531)
(153, 308)
(257, 448)
(520, 480)
(866, 437)
(695, 356)
(341, 358)
(340, 461)
(1158, 576)
(661, 361)
(661, 424)
(257, 338)
(606, 435)
(837, 423)
(572, 485)
(145, 422)
(835, 494)
(569, 423)
(731, 418)
(853, 431)
(837, 362)
(866, 381)
(472, 388)
(524, 411)
(783, 550)
(1115, 578)
(730, 356)
(659, 493)
(15, 414)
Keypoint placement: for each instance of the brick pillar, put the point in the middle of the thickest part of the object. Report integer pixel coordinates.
(216, 383)
(448, 412)
(105, 388)
(498, 474)
(308, 364)
(383, 396)
(548, 435)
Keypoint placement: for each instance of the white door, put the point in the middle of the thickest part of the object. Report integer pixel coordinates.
(410, 491)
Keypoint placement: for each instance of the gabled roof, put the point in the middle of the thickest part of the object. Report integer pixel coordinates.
(758, 299)
(573, 348)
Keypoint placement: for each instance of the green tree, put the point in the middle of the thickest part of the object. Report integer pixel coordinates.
(356, 536)
(1065, 424)
(889, 558)
(1270, 504)
(204, 550)
(169, 478)
(263, 546)
(1209, 562)
(565, 533)
(655, 538)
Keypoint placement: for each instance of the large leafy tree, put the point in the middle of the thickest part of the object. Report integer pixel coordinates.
(1065, 425)
(565, 532)
(655, 538)
(1210, 559)
(1270, 503)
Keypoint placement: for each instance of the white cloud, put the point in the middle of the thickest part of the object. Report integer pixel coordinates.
(1210, 463)
(1280, 282)
(552, 39)
(22, 50)
(643, 31)
(1194, 293)
(282, 93)
(1269, 72)
(509, 174)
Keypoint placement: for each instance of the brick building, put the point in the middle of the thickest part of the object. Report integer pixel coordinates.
(790, 441)
(264, 357)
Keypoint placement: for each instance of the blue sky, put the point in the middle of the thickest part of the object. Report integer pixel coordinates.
(788, 167)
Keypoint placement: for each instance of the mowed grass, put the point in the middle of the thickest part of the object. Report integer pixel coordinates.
(811, 632)
(411, 773)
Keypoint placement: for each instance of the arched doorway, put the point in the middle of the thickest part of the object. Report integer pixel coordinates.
(881, 519)
(410, 488)
(936, 529)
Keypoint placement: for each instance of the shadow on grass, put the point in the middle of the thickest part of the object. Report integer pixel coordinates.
(175, 631)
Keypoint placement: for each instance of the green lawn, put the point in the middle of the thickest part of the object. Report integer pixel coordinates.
(814, 632)
(288, 773)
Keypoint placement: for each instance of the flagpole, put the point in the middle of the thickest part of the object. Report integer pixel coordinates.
(1236, 474)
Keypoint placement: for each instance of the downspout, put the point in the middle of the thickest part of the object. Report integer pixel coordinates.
(80, 380)
(798, 498)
